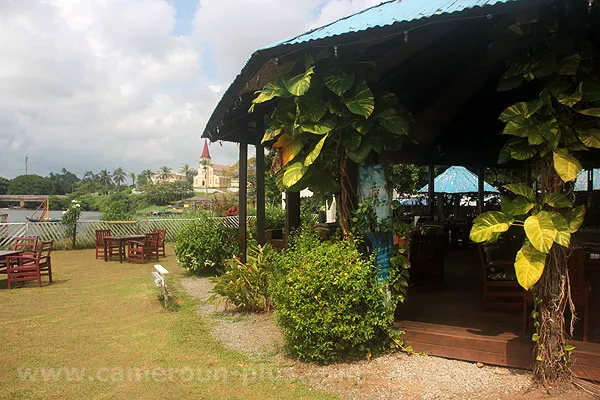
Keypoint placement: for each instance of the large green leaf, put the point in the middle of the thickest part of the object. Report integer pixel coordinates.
(566, 166)
(540, 231)
(521, 190)
(271, 133)
(321, 127)
(391, 120)
(520, 127)
(293, 173)
(569, 65)
(592, 112)
(360, 101)
(549, 129)
(523, 152)
(360, 155)
(488, 224)
(575, 217)
(314, 153)
(339, 82)
(362, 126)
(506, 84)
(521, 111)
(570, 99)
(563, 234)
(271, 90)
(519, 206)
(590, 138)
(299, 84)
(590, 90)
(351, 140)
(529, 266)
(557, 200)
(310, 107)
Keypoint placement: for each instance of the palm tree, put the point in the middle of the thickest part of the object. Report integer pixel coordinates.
(146, 177)
(105, 178)
(133, 176)
(89, 176)
(189, 172)
(119, 176)
(164, 172)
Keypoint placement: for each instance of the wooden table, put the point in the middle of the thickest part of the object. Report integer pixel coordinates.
(121, 240)
(4, 254)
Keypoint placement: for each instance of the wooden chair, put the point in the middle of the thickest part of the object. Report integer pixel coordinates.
(426, 255)
(580, 286)
(100, 235)
(27, 245)
(500, 286)
(23, 268)
(140, 252)
(161, 240)
(45, 260)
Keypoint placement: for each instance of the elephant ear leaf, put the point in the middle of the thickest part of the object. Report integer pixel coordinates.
(540, 231)
(566, 166)
(574, 218)
(314, 153)
(299, 84)
(360, 101)
(529, 266)
(339, 82)
(293, 173)
(486, 225)
(276, 88)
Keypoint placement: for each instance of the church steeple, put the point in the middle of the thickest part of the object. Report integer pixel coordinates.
(205, 153)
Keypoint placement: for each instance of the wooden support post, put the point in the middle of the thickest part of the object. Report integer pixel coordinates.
(260, 194)
(242, 198)
(431, 191)
(480, 180)
(590, 188)
(292, 211)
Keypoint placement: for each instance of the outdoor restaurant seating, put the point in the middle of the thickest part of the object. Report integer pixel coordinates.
(145, 250)
(161, 240)
(426, 255)
(45, 259)
(27, 245)
(30, 267)
(113, 248)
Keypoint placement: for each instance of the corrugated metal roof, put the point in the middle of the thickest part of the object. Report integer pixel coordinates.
(385, 14)
(457, 180)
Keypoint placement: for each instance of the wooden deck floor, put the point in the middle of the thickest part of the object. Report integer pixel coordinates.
(450, 323)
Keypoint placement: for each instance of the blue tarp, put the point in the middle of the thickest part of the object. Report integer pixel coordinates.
(581, 182)
(457, 180)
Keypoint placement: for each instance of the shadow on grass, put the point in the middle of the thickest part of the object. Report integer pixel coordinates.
(32, 284)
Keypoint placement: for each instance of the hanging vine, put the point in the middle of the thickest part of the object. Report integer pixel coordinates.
(552, 127)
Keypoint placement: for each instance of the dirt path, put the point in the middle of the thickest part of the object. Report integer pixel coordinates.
(392, 376)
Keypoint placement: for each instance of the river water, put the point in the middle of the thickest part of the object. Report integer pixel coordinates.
(19, 215)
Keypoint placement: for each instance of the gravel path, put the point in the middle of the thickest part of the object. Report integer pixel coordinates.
(392, 376)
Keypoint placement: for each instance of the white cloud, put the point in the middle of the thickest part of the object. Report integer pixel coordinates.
(90, 85)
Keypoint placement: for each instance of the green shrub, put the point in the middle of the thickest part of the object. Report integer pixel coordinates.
(204, 244)
(119, 207)
(246, 286)
(328, 301)
(274, 217)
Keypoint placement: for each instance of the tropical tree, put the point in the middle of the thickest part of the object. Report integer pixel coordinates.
(557, 121)
(105, 178)
(119, 176)
(133, 177)
(328, 115)
(89, 176)
(189, 173)
(164, 172)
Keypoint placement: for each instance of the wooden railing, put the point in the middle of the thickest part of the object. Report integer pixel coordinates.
(86, 230)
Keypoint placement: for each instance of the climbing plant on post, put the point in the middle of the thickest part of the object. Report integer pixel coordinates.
(327, 115)
(559, 121)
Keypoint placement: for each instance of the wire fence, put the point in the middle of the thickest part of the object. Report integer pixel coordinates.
(86, 230)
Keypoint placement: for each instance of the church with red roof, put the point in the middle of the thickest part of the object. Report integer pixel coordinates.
(211, 176)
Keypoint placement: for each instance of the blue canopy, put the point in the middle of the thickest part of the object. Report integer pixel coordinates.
(457, 180)
(581, 182)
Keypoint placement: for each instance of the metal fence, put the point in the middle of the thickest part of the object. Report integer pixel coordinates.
(86, 230)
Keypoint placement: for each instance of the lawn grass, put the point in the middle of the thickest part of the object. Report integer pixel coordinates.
(99, 332)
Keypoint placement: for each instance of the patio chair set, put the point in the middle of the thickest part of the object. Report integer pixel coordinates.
(27, 261)
(133, 248)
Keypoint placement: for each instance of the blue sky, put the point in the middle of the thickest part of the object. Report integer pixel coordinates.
(91, 85)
